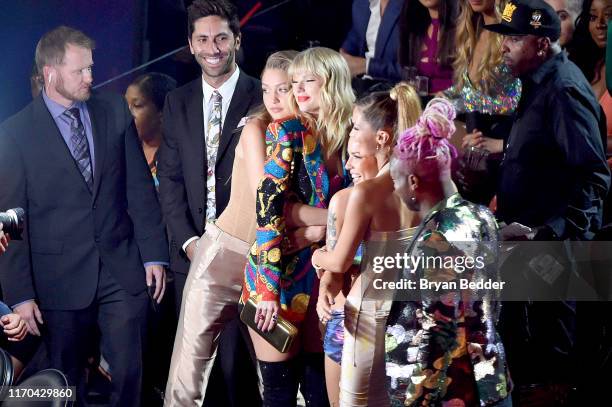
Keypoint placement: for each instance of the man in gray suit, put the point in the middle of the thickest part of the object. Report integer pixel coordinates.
(94, 238)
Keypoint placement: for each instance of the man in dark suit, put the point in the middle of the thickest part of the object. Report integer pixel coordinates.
(197, 154)
(183, 168)
(371, 46)
(94, 232)
(553, 179)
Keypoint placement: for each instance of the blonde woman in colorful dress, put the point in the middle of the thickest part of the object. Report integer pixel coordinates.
(304, 165)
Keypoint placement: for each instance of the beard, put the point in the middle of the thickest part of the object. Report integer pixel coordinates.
(75, 96)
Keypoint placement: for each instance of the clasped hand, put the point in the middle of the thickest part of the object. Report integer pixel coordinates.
(266, 315)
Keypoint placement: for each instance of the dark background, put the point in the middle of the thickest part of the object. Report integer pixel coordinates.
(131, 32)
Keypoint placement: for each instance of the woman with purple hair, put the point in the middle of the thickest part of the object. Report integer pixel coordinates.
(441, 345)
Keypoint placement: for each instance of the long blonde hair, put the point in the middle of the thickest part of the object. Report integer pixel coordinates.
(408, 106)
(395, 110)
(336, 97)
(469, 28)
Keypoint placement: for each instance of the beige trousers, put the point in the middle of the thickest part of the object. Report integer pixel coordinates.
(210, 299)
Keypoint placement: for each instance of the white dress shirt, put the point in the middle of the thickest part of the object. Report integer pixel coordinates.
(226, 90)
(372, 30)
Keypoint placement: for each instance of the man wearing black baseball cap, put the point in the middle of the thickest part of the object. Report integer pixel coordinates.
(525, 17)
(553, 179)
(532, 23)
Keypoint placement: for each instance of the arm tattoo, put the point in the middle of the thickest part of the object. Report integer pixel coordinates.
(332, 235)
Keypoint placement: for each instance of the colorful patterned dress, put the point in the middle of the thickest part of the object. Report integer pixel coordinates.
(444, 350)
(293, 172)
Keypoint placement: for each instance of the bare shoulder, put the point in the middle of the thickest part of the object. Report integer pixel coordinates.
(254, 128)
(340, 199)
(253, 134)
(373, 187)
(372, 193)
(359, 194)
(252, 138)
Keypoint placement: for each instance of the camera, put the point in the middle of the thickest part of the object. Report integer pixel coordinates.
(12, 222)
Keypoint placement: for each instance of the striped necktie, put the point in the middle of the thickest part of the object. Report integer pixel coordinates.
(79, 148)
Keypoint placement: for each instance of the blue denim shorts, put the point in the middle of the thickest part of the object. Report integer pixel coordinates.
(334, 336)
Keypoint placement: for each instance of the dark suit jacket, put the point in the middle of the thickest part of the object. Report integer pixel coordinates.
(384, 64)
(182, 163)
(70, 232)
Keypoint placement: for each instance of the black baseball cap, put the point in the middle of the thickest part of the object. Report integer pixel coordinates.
(528, 17)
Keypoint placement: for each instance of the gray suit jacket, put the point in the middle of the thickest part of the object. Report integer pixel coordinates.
(70, 233)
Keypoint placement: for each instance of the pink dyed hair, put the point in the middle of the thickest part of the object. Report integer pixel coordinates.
(428, 139)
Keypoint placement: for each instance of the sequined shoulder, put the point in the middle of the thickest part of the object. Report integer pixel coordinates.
(462, 220)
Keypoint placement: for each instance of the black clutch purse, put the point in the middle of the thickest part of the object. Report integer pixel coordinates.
(281, 337)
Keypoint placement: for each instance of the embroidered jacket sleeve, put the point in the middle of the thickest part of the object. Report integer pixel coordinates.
(270, 203)
(450, 325)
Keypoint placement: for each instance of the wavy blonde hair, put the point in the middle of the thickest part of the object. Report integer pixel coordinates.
(336, 97)
(469, 27)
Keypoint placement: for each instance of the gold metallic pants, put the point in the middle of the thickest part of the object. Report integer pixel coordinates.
(210, 299)
(362, 379)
